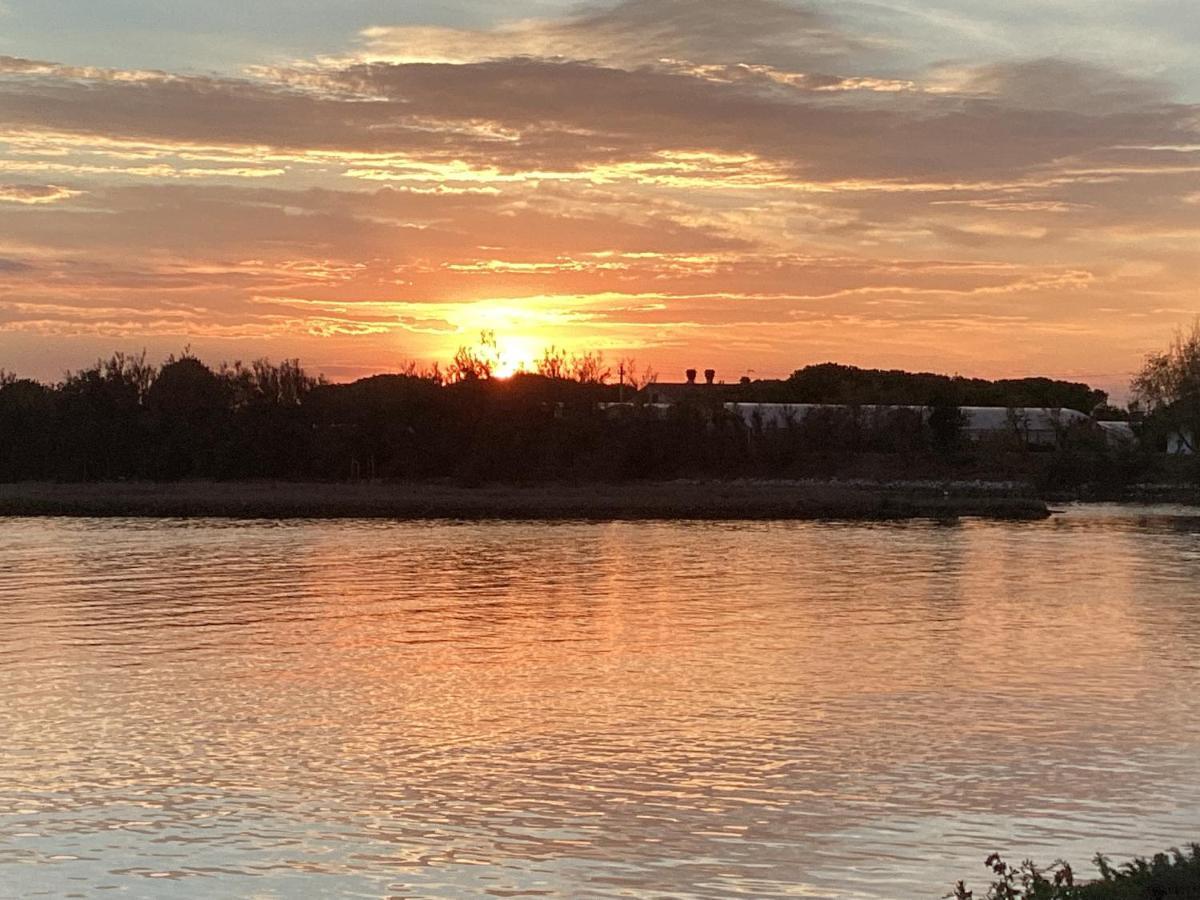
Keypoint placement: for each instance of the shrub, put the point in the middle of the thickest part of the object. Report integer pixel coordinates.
(1167, 876)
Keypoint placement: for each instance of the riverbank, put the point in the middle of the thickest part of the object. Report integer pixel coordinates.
(1151, 493)
(754, 500)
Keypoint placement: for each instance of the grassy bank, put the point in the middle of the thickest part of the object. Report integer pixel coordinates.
(423, 500)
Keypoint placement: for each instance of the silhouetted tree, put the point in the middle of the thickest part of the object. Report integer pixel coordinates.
(102, 426)
(124, 418)
(27, 430)
(589, 368)
(1168, 387)
(833, 383)
(946, 423)
(189, 409)
(553, 364)
(475, 363)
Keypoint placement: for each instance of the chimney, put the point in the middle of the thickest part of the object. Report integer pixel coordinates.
(710, 375)
(691, 376)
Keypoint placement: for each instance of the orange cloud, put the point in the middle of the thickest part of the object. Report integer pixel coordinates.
(752, 183)
(35, 194)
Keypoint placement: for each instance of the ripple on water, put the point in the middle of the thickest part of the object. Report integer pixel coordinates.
(379, 709)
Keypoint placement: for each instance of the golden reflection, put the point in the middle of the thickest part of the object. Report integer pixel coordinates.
(433, 702)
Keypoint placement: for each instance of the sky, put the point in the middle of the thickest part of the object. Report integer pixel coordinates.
(987, 187)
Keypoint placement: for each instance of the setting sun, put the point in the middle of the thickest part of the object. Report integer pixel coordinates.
(515, 354)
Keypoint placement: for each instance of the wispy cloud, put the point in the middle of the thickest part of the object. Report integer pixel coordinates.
(667, 171)
(637, 32)
(35, 194)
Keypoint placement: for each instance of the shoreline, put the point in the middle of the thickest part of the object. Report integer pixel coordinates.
(633, 501)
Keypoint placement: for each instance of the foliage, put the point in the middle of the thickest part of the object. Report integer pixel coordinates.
(123, 418)
(554, 363)
(1024, 882)
(475, 363)
(1173, 876)
(833, 383)
(1168, 387)
(946, 424)
(286, 384)
(589, 368)
(586, 368)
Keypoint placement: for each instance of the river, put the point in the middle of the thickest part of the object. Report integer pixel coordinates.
(374, 709)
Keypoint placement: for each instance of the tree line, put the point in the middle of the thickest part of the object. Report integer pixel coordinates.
(833, 383)
(125, 418)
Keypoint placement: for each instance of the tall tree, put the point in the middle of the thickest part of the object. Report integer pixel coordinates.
(1168, 386)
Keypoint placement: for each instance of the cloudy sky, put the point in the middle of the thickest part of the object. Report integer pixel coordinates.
(990, 187)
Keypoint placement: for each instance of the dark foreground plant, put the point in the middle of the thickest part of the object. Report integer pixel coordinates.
(1173, 876)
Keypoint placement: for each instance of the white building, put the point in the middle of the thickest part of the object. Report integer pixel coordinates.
(1181, 443)
(1118, 434)
(1037, 427)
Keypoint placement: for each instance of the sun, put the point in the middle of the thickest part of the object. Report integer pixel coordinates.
(507, 369)
(513, 355)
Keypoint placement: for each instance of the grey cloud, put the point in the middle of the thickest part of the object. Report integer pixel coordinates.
(641, 32)
(565, 116)
(1148, 37)
(1062, 85)
(598, 113)
(717, 31)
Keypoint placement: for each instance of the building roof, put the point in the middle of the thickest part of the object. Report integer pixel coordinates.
(998, 418)
(1118, 432)
(672, 392)
(978, 418)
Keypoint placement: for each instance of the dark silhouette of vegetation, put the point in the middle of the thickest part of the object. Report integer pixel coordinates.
(1167, 390)
(1173, 876)
(126, 419)
(123, 418)
(946, 424)
(833, 383)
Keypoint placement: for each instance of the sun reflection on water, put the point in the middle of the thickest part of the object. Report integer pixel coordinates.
(682, 709)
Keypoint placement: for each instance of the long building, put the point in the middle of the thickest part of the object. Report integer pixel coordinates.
(1038, 427)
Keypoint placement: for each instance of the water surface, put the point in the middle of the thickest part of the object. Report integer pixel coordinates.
(372, 709)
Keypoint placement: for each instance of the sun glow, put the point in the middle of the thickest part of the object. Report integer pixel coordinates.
(512, 336)
(515, 354)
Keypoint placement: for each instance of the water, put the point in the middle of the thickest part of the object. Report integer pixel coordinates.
(364, 709)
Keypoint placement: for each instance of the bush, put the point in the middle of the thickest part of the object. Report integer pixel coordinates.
(1173, 876)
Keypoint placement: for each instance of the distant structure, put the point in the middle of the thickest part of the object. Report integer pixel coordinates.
(1036, 427)
(1181, 443)
(1119, 434)
(671, 393)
